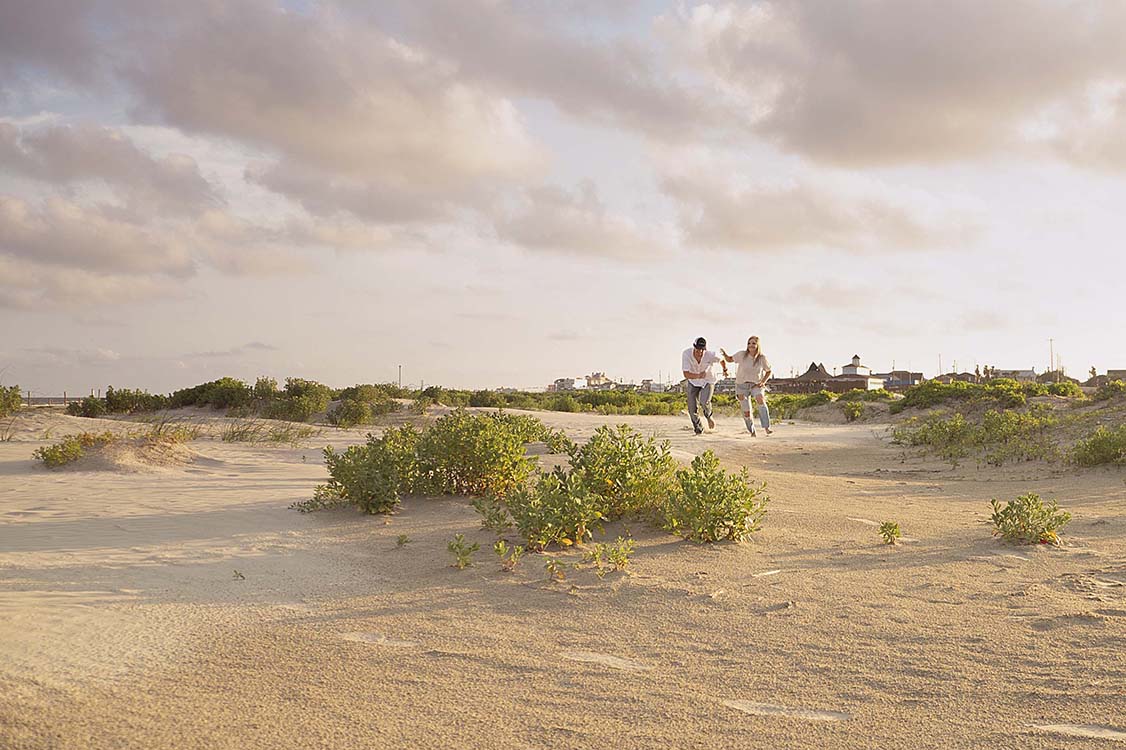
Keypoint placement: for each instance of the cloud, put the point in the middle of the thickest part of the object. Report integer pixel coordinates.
(236, 351)
(887, 81)
(47, 35)
(63, 233)
(66, 154)
(552, 219)
(537, 50)
(717, 211)
(353, 119)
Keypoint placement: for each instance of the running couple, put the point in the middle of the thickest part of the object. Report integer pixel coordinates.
(750, 381)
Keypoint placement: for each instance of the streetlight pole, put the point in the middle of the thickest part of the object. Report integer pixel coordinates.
(1051, 355)
(400, 376)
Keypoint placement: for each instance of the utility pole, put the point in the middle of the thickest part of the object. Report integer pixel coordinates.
(400, 376)
(1051, 355)
(939, 364)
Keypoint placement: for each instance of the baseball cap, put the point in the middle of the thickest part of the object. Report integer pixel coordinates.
(701, 343)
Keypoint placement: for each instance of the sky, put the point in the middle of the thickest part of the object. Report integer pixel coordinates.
(503, 192)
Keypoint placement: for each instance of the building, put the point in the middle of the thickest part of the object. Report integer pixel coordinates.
(814, 379)
(963, 377)
(899, 380)
(650, 386)
(562, 384)
(599, 381)
(1116, 375)
(855, 368)
(854, 376)
(1024, 376)
(726, 385)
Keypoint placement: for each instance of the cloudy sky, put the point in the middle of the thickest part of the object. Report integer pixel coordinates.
(502, 192)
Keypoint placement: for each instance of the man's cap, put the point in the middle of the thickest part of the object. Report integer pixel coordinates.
(701, 343)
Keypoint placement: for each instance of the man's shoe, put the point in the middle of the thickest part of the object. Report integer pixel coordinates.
(699, 432)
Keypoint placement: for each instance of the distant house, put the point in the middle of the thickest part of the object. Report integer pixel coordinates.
(899, 380)
(599, 382)
(812, 380)
(649, 386)
(1024, 376)
(855, 368)
(855, 376)
(1116, 375)
(1053, 376)
(726, 385)
(562, 384)
(951, 377)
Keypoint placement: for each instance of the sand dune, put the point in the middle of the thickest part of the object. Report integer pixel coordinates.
(186, 607)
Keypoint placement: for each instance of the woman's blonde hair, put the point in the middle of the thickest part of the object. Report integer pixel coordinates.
(758, 345)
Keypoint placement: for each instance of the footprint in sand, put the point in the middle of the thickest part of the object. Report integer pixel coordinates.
(614, 662)
(769, 709)
(378, 639)
(1093, 731)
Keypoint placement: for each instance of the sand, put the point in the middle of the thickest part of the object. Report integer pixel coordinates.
(181, 605)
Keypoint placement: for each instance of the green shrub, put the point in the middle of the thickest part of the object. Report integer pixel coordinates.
(607, 557)
(633, 474)
(1028, 520)
(125, 401)
(9, 399)
(787, 405)
(565, 403)
(999, 437)
(472, 454)
(91, 406)
(375, 476)
(555, 508)
(71, 448)
(1110, 390)
(889, 531)
(462, 552)
(509, 556)
(494, 514)
(300, 400)
(1066, 388)
(265, 389)
(489, 399)
(710, 504)
(858, 394)
(349, 413)
(1103, 446)
(853, 410)
(224, 393)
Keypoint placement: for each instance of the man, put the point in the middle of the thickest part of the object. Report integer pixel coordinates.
(699, 381)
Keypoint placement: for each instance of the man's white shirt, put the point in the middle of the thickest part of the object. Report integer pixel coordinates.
(689, 364)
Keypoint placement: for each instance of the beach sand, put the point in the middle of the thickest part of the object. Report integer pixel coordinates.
(179, 604)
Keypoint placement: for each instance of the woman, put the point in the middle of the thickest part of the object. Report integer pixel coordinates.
(750, 381)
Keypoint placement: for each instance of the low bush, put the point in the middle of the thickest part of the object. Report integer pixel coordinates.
(1067, 389)
(608, 557)
(509, 555)
(462, 552)
(1000, 436)
(349, 413)
(9, 399)
(555, 508)
(1028, 520)
(787, 405)
(126, 401)
(91, 406)
(633, 474)
(858, 394)
(853, 410)
(711, 504)
(300, 400)
(71, 448)
(1113, 389)
(472, 454)
(1103, 446)
(375, 476)
(889, 531)
(224, 393)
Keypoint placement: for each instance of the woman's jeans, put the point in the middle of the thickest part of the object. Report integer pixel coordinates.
(745, 391)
